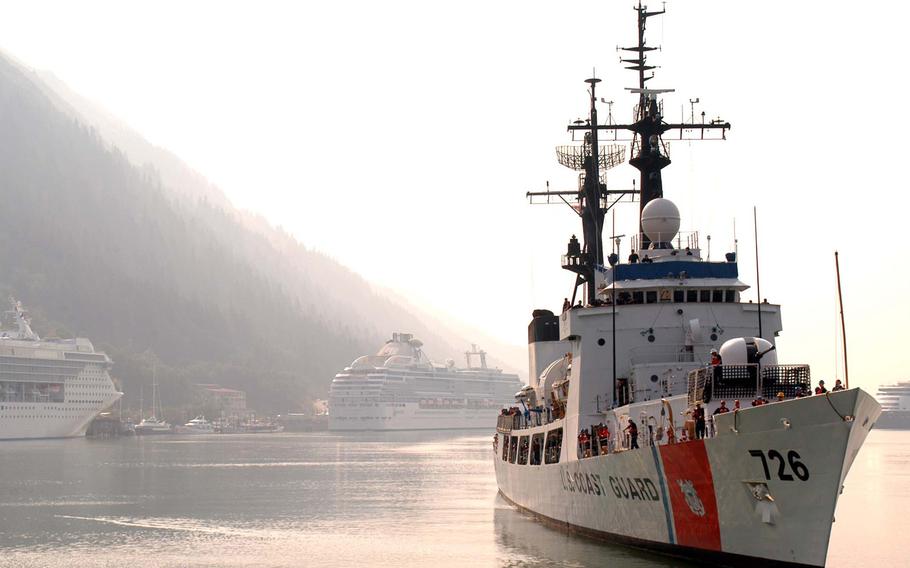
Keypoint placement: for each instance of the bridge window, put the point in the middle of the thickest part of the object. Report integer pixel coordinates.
(718, 296)
(651, 296)
(553, 447)
(638, 298)
(704, 295)
(692, 296)
(523, 447)
(679, 296)
(513, 448)
(730, 296)
(536, 448)
(505, 447)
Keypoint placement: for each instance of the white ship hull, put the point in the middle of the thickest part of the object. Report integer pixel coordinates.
(409, 416)
(45, 420)
(399, 388)
(50, 388)
(695, 498)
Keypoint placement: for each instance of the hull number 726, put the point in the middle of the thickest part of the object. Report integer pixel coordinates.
(798, 468)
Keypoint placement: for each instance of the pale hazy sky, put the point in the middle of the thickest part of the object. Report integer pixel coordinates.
(401, 137)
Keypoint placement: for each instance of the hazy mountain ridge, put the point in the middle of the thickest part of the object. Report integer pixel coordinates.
(172, 278)
(95, 244)
(338, 293)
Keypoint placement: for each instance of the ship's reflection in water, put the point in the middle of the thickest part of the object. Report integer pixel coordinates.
(389, 499)
(523, 541)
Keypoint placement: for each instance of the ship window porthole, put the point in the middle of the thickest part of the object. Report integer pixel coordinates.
(653, 378)
(601, 342)
(713, 337)
(650, 339)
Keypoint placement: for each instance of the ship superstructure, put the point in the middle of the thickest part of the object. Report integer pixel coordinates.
(400, 388)
(49, 388)
(895, 401)
(667, 421)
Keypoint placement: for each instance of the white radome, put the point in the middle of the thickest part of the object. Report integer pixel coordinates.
(660, 220)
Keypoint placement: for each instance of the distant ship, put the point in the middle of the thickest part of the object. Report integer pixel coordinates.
(399, 388)
(895, 401)
(49, 388)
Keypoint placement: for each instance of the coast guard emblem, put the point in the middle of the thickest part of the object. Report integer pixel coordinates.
(692, 500)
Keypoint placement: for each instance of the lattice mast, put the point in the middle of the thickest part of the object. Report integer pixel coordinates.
(589, 201)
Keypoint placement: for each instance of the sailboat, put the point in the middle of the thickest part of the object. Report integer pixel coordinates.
(153, 424)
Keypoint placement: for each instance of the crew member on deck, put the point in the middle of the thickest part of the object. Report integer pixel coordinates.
(716, 362)
(603, 435)
(632, 429)
(838, 386)
(820, 389)
(699, 416)
(715, 358)
(583, 443)
(633, 258)
(722, 409)
(566, 304)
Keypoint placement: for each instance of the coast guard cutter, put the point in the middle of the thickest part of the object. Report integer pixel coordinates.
(754, 485)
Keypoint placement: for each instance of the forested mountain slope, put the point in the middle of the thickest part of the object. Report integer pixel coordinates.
(165, 276)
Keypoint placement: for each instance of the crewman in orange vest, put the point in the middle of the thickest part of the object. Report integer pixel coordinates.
(603, 435)
(583, 442)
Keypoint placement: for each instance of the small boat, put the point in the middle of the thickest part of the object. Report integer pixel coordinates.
(152, 425)
(258, 427)
(198, 425)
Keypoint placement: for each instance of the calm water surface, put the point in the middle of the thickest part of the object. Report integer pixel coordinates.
(393, 499)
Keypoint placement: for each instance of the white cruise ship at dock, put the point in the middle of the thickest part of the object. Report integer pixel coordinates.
(50, 388)
(400, 388)
(895, 401)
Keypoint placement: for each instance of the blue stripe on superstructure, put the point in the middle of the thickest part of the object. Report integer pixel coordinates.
(663, 493)
(671, 269)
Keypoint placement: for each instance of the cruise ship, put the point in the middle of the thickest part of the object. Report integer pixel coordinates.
(400, 388)
(49, 388)
(895, 400)
(671, 425)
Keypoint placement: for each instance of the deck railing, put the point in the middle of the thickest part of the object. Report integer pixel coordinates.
(747, 382)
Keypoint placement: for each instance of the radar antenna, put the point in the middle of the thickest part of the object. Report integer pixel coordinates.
(649, 156)
(590, 200)
(649, 151)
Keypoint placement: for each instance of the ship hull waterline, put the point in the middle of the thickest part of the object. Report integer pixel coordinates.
(696, 499)
(65, 423)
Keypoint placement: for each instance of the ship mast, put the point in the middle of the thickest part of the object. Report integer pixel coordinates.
(648, 149)
(649, 156)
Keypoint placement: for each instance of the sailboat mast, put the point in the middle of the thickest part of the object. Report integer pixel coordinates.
(843, 326)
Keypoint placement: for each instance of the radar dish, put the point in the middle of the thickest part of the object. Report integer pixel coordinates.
(574, 157)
